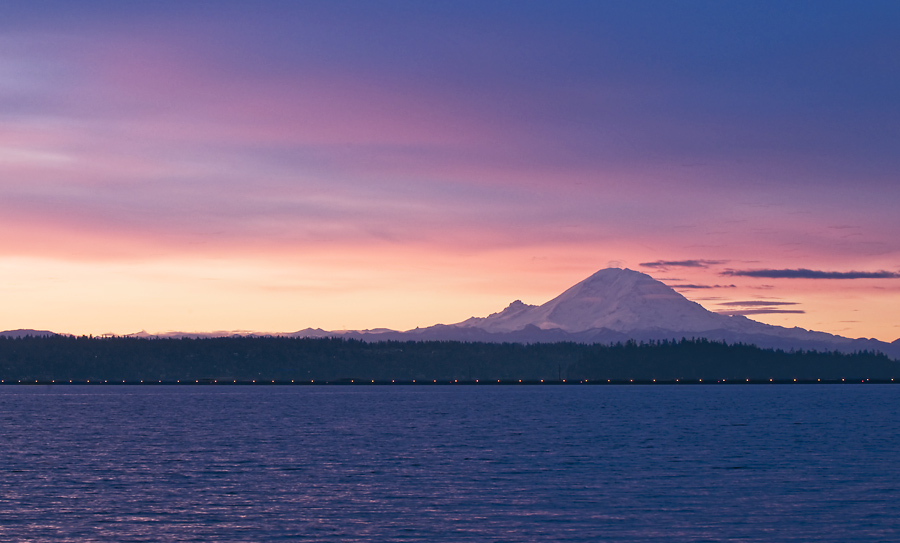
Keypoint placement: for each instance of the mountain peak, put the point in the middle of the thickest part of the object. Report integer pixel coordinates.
(517, 305)
(512, 311)
(613, 298)
(615, 279)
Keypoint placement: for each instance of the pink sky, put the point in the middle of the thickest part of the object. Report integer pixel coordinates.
(305, 165)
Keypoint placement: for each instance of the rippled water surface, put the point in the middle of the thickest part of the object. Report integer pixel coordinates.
(450, 463)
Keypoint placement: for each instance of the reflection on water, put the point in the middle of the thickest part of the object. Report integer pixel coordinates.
(454, 463)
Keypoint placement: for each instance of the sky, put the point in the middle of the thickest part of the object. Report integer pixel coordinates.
(270, 166)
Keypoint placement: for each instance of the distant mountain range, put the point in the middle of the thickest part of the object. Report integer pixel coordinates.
(25, 333)
(612, 305)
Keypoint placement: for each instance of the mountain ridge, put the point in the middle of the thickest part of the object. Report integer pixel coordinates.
(21, 332)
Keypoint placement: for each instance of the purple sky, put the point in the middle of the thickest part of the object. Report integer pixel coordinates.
(276, 165)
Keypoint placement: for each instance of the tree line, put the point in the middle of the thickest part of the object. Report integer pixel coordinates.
(62, 359)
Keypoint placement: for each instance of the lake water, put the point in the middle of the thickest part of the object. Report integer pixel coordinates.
(450, 463)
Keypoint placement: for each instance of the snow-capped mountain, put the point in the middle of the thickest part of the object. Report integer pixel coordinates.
(617, 305)
(614, 299)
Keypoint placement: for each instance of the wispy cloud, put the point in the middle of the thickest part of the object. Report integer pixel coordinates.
(756, 307)
(761, 311)
(802, 273)
(666, 264)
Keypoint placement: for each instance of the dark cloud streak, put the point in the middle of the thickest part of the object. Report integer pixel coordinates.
(665, 264)
(690, 286)
(802, 273)
(744, 312)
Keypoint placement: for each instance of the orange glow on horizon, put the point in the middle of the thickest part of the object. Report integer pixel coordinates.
(379, 289)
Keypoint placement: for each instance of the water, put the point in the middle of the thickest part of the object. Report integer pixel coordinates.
(450, 463)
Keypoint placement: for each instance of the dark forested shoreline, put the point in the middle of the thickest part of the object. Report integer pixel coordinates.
(61, 359)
